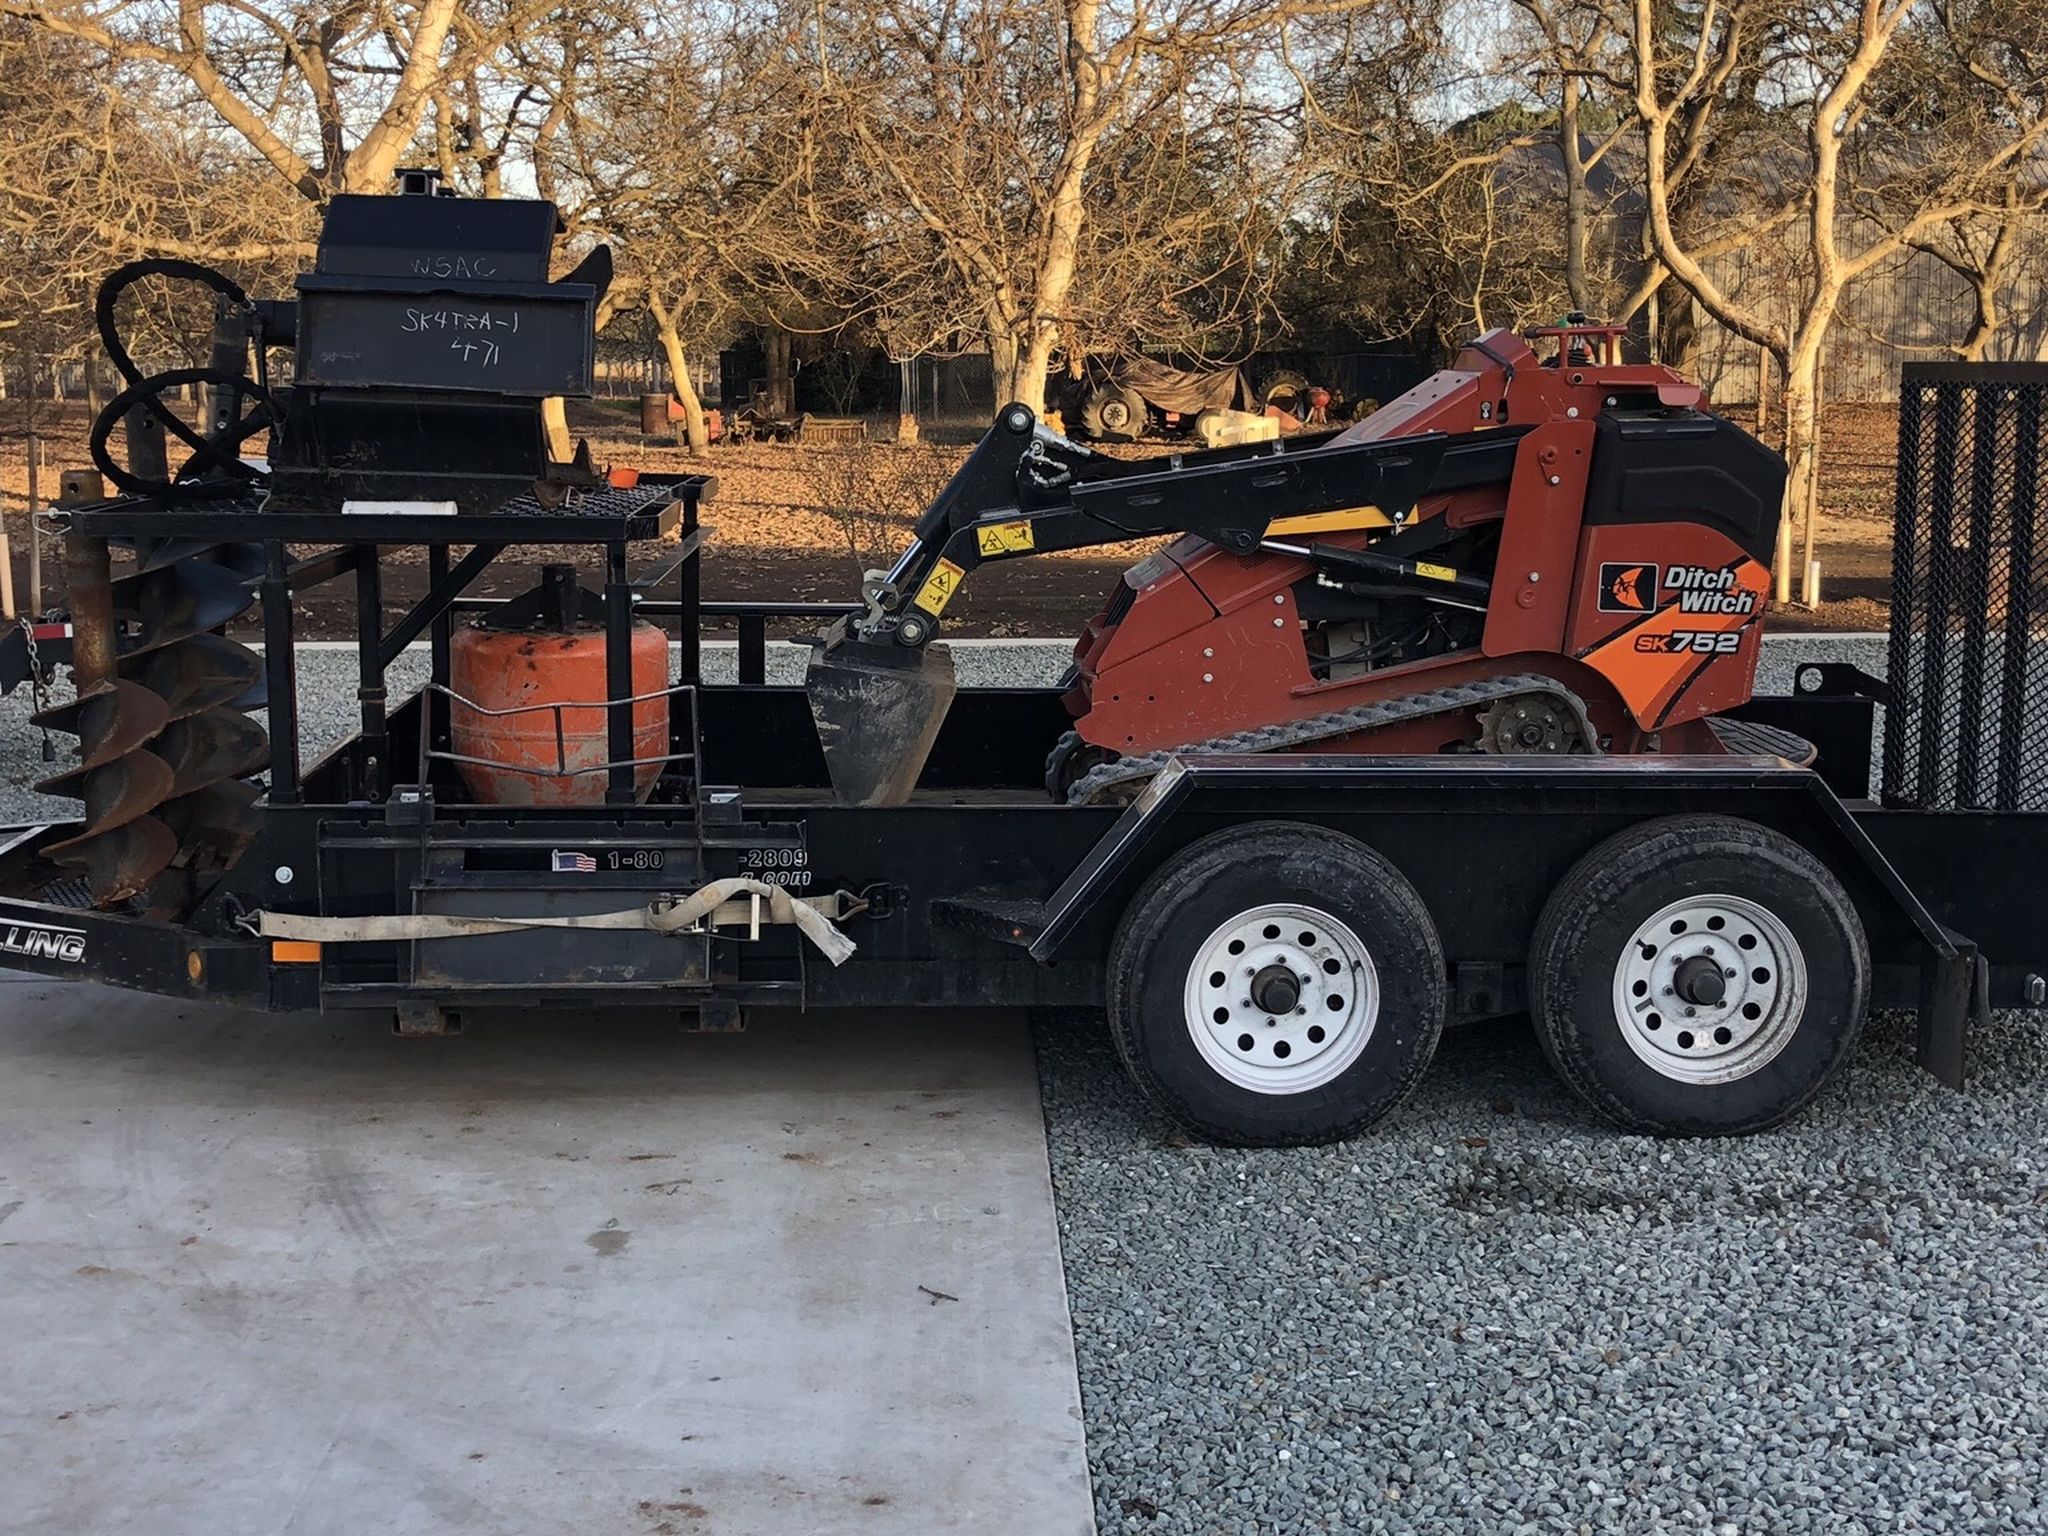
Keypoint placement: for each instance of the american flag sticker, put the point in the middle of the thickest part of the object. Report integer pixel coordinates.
(574, 863)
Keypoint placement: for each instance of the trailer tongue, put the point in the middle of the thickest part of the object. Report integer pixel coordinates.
(1444, 718)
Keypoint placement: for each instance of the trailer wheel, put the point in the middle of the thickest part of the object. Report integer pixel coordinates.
(1698, 976)
(1276, 985)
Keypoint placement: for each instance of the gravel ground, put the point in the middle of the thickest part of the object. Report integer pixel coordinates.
(1495, 1314)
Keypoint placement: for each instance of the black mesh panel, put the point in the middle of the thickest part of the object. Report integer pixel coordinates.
(1968, 724)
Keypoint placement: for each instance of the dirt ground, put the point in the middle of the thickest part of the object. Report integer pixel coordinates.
(797, 522)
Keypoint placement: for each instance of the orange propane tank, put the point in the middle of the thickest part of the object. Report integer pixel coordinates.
(507, 678)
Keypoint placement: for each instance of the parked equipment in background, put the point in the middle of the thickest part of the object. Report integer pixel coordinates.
(1442, 717)
(1119, 400)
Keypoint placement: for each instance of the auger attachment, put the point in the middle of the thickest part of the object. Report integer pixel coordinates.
(161, 747)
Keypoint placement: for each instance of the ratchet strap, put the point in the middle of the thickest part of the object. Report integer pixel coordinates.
(738, 902)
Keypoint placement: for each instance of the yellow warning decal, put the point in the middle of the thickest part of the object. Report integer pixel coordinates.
(939, 587)
(1435, 572)
(1330, 522)
(1003, 538)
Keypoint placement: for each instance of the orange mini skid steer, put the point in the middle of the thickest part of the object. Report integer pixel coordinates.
(1522, 554)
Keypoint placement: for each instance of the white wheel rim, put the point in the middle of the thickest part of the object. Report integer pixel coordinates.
(1281, 1050)
(1116, 416)
(1662, 994)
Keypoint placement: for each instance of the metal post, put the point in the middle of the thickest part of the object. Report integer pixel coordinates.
(89, 590)
(753, 648)
(145, 437)
(1909, 530)
(35, 544)
(1934, 707)
(618, 674)
(690, 592)
(370, 690)
(280, 673)
(434, 725)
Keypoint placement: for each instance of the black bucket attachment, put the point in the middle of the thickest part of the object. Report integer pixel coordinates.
(878, 708)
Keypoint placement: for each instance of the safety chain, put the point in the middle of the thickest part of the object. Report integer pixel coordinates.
(38, 682)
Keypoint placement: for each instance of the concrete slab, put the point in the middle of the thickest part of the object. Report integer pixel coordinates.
(563, 1275)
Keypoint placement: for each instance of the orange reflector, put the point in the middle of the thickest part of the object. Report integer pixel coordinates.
(295, 951)
(623, 479)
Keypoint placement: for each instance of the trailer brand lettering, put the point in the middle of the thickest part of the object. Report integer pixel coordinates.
(36, 942)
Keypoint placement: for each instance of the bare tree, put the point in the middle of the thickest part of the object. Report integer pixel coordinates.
(1577, 39)
(1830, 64)
(295, 82)
(91, 176)
(1984, 250)
(1074, 168)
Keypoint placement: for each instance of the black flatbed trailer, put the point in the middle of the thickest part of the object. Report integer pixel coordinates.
(982, 892)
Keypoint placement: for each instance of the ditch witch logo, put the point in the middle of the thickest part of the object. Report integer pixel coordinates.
(1632, 587)
(37, 942)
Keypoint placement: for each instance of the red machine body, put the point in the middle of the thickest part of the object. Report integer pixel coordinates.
(1626, 557)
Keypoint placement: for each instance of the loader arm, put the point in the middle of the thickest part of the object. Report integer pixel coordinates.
(1025, 490)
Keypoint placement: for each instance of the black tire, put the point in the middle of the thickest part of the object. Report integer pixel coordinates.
(1767, 1068)
(1120, 415)
(1376, 1053)
(1286, 390)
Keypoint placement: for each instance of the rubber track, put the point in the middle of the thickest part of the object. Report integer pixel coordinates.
(1344, 722)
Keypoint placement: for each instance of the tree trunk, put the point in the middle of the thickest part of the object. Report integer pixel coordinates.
(1677, 326)
(1802, 461)
(554, 421)
(781, 390)
(1033, 367)
(1575, 220)
(694, 432)
(1003, 358)
(1984, 286)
